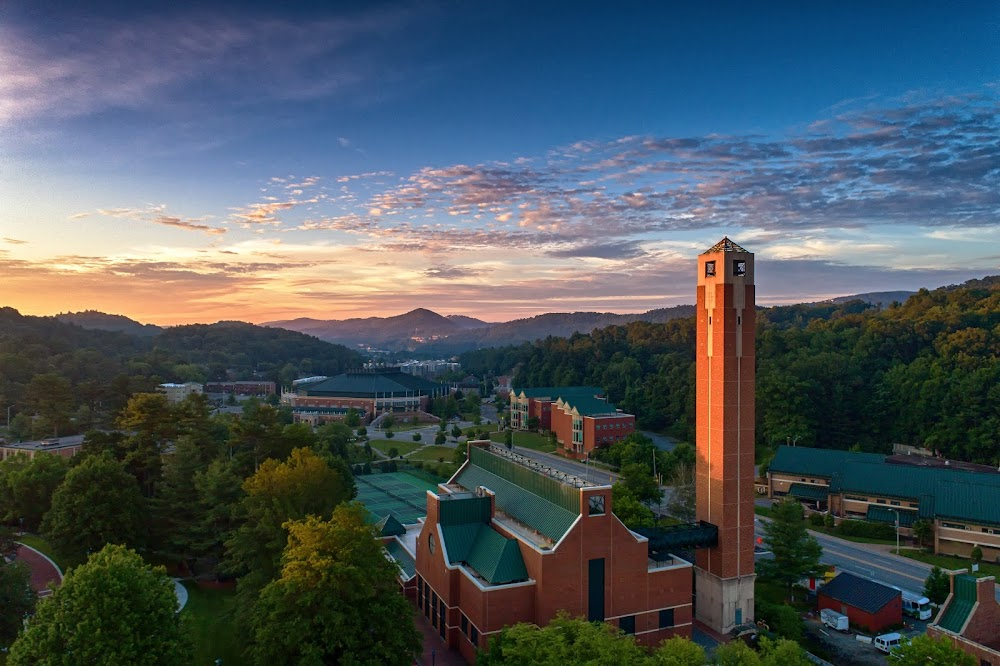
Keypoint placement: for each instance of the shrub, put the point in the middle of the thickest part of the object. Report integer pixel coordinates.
(389, 434)
(864, 529)
(829, 521)
(816, 519)
(418, 464)
(366, 469)
(357, 470)
(416, 437)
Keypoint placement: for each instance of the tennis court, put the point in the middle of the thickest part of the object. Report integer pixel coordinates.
(401, 494)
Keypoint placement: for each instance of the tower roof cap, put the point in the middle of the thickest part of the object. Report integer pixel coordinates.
(725, 245)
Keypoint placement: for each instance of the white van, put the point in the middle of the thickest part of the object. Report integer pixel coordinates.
(886, 642)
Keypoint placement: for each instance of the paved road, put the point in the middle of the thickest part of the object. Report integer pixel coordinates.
(870, 561)
(662, 442)
(588, 472)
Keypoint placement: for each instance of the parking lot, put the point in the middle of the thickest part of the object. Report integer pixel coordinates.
(846, 649)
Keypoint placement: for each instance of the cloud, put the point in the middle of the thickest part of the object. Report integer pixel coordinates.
(14, 241)
(450, 272)
(155, 214)
(344, 142)
(99, 64)
(266, 213)
(621, 250)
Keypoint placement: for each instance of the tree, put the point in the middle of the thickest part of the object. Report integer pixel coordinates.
(781, 619)
(151, 424)
(417, 437)
(217, 490)
(352, 419)
(923, 530)
(98, 503)
(305, 485)
(114, 609)
(937, 587)
(533, 423)
(976, 555)
(456, 432)
(17, 599)
(638, 478)
(782, 652)
(440, 438)
(563, 641)
(679, 651)
(50, 396)
(337, 600)
(388, 421)
(796, 553)
(508, 439)
(392, 452)
(629, 509)
(682, 497)
(923, 649)
(389, 434)
(362, 431)
(459, 455)
(26, 487)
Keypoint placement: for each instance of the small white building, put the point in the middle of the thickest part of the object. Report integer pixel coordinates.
(177, 392)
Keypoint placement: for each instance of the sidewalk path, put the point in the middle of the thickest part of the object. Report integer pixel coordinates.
(43, 570)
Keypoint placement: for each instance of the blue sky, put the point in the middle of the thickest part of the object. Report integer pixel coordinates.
(181, 163)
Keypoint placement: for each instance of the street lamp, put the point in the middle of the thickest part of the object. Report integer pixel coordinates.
(896, 511)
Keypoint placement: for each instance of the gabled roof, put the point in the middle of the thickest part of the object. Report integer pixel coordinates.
(724, 245)
(808, 491)
(883, 514)
(469, 540)
(389, 526)
(588, 405)
(967, 501)
(815, 462)
(555, 392)
(540, 502)
(861, 593)
(961, 604)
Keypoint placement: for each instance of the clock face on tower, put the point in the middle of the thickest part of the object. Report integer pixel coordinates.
(739, 267)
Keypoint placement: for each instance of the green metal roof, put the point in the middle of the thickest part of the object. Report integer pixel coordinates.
(469, 539)
(809, 492)
(496, 558)
(389, 526)
(536, 500)
(812, 462)
(961, 604)
(882, 514)
(589, 405)
(967, 501)
(402, 558)
(556, 392)
(371, 383)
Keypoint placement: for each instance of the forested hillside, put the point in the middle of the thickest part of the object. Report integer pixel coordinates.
(926, 372)
(74, 378)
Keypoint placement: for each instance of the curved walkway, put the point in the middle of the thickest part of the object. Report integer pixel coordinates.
(43, 570)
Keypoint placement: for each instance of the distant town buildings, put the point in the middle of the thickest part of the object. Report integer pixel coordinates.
(369, 391)
(66, 447)
(960, 500)
(581, 418)
(178, 392)
(429, 368)
(242, 388)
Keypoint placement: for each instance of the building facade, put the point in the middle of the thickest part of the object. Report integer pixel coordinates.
(178, 392)
(247, 388)
(960, 501)
(369, 391)
(579, 416)
(505, 542)
(67, 447)
(866, 603)
(724, 402)
(970, 618)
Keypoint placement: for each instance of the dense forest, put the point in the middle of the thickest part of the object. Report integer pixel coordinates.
(834, 375)
(73, 378)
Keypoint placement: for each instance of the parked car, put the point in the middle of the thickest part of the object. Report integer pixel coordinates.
(886, 642)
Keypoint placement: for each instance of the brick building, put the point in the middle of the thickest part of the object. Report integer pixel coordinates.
(370, 391)
(961, 500)
(581, 418)
(66, 447)
(866, 603)
(970, 618)
(247, 388)
(505, 542)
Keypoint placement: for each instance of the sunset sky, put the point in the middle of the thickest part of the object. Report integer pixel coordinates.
(182, 163)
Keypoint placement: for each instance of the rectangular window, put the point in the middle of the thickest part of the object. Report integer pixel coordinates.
(666, 618)
(709, 269)
(465, 625)
(595, 590)
(474, 635)
(881, 501)
(739, 267)
(627, 624)
(954, 526)
(894, 503)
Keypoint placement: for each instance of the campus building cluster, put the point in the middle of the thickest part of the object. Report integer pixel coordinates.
(507, 540)
(580, 417)
(960, 500)
(369, 391)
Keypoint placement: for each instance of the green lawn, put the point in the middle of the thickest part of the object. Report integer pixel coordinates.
(856, 539)
(210, 624)
(404, 446)
(527, 440)
(40, 544)
(432, 453)
(949, 562)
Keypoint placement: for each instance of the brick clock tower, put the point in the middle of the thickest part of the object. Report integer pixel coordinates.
(724, 574)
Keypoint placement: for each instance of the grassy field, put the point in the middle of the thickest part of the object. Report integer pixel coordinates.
(432, 453)
(208, 615)
(527, 440)
(949, 562)
(404, 446)
(40, 544)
